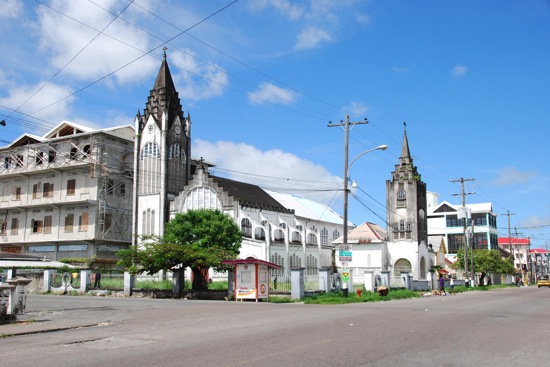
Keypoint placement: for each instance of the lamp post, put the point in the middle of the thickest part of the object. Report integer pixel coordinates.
(346, 193)
(346, 190)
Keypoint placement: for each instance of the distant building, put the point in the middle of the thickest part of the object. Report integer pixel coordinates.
(539, 261)
(519, 249)
(445, 224)
(68, 194)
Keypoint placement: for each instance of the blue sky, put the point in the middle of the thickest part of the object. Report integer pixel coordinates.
(262, 79)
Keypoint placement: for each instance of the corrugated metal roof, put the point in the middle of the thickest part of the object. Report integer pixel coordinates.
(306, 208)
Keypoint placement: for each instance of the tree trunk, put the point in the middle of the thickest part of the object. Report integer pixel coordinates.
(482, 279)
(200, 281)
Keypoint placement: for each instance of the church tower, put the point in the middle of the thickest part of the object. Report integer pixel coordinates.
(162, 164)
(406, 201)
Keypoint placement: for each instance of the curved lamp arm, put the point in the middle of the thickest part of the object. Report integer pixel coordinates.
(380, 147)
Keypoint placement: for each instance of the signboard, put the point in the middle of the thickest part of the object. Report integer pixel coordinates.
(345, 275)
(345, 252)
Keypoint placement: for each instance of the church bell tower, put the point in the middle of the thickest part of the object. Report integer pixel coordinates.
(406, 201)
(162, 159)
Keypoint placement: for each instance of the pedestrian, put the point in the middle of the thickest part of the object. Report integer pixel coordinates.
(97, 281)
(442, 285)
(489, 280)
(452, 286)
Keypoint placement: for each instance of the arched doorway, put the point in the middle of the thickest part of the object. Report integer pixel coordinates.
(401, 266)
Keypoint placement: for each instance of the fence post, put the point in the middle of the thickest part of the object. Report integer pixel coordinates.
(178, 283)
(297, 283)
(48, 280)
(128, 283)
(385, 278)
(324, 280)
(369, 281)
(406, 280)
(84, 280)
(12, 273)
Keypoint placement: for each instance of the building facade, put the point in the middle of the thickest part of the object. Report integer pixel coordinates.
(519, 249)
(162, 160)
(406, 219)
(286, 230)
(445, 224)
(68, 194)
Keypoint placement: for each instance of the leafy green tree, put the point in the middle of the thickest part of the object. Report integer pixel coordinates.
(485, 262)
(199, 239)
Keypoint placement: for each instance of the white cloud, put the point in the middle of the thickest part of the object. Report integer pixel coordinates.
(512, 176)
(403, 69)
(357, 108)
(458, 71)
(49, 94)
(311, 37)
(11, 9)
(273, 169)
(196, 80)
(63, 38)
(284, 7)
(271, 93)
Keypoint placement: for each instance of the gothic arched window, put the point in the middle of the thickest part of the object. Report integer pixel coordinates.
(202, 198)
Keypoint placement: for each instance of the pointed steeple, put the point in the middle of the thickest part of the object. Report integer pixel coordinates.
(405, 152)
(164, 77)
(163, 97)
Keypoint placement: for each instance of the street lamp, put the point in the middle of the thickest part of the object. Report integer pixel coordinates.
(346, 193)
(346, 190)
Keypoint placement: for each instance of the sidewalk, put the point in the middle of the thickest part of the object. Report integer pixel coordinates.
(46, 314)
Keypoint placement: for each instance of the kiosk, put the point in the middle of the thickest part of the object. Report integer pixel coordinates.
(251, 278)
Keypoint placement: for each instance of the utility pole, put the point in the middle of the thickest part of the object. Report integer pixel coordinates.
(464, 220)
(510, 235)
(346, 126)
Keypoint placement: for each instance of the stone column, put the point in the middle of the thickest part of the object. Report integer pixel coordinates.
(385, 278)
(369, 281)
(85, 278)
(12, 273)
(128, 283)
(178, 283)
(19, 297)
(48, 274)
(406, 280)
(324, 280)
(297, 283)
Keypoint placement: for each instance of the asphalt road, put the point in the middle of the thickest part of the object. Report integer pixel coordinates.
(501, 328)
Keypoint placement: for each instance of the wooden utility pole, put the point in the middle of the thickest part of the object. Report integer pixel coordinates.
(464, 220)
(346, 126)
(510, 236)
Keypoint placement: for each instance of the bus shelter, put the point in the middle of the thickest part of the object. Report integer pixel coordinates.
(251, 278)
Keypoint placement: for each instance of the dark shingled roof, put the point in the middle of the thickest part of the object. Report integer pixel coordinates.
(249, 195)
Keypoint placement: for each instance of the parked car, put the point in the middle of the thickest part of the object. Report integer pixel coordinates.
(543, 281)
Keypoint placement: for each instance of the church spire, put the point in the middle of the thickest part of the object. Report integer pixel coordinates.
(164, 97)
(164, 77)
(405, 152)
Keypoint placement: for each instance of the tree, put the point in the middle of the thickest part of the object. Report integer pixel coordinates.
(199, 239)
(486, 262)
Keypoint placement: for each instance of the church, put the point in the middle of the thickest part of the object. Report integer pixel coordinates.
(277, 227)
(89, 193)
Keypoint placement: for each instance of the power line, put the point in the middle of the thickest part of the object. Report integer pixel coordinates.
(137, 58)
